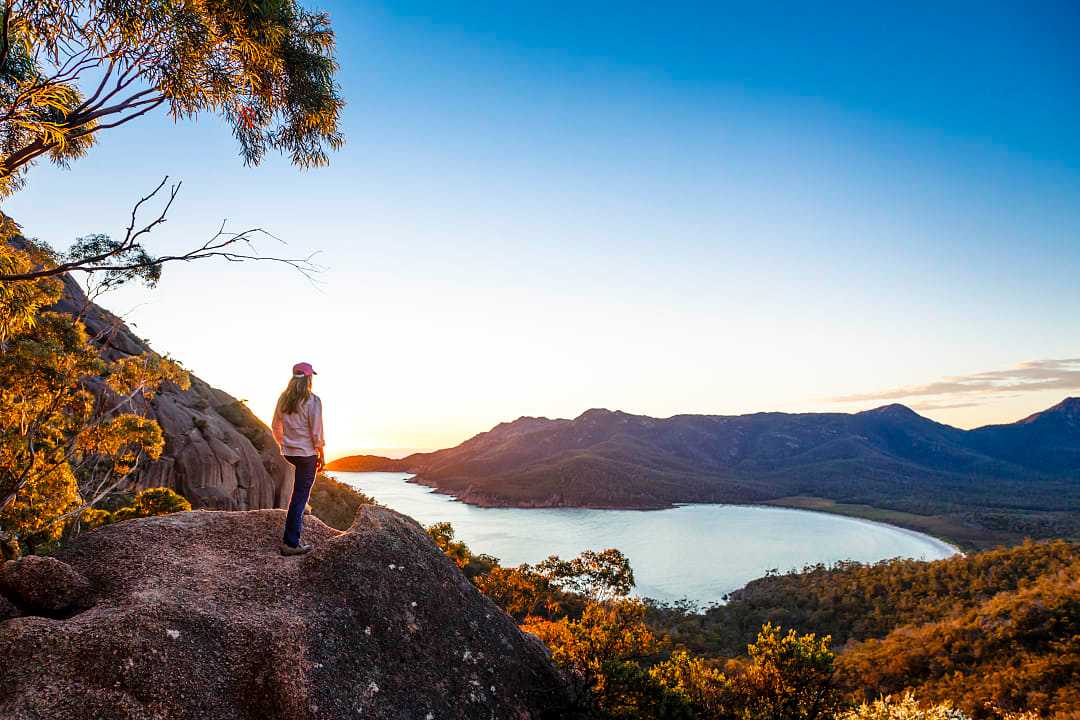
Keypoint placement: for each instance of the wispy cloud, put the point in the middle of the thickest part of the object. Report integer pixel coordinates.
(1031, 376)
(924, 406)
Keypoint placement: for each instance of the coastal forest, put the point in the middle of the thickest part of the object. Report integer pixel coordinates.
(991, 635)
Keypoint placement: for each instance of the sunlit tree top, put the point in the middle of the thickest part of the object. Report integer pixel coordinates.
(70, 69)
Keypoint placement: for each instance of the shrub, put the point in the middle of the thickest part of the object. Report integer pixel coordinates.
(335, 503)
(150, 502)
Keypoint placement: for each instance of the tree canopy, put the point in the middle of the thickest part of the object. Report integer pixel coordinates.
(61, 447)
(70, 69)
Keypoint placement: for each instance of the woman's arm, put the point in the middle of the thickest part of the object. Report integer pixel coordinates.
(277, 427)
(315, 426)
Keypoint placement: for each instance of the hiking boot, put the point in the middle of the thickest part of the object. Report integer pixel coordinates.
(290, 550)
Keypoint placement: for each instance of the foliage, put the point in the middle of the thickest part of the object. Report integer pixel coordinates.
(73, 68)
(704, 688)
(789, 677)
(602, 651)
(473, 566)
(523, 592)
(20, 303)
(334, 502)
(854, 601)
(581, 611)
(989, 635)
(598, 575)
(551, 588)
(993, 633)
(62, 447)
(903, 708)
(906, 707)
(151, 502)
(94, 518)
(1016, 651)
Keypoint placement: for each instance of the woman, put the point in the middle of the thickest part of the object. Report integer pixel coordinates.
(298, 430)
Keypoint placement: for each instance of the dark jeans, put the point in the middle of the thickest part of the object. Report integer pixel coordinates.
(303, 479)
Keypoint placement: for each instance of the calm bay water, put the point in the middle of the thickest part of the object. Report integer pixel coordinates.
(698, 552)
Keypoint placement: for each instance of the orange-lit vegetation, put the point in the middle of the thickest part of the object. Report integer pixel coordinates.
(582, 611)
(64, 447)
(146, 503)
(1015, 651)
(853, 601)
(991, 635)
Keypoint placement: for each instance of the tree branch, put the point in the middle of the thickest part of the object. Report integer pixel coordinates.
(222, 244)
(5, 39)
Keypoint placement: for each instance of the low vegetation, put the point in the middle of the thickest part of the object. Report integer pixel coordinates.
(854, 601)
(907, 707)
(992, 635)
(65, 444)
(334, 502)
(582, 611)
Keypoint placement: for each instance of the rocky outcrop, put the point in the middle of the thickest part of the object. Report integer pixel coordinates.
(43, 585)
(217, 453)
(196, 615)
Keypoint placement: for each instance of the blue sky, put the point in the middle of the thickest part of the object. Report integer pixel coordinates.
(692, 207)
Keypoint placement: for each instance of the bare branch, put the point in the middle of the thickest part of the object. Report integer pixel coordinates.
(222, 244)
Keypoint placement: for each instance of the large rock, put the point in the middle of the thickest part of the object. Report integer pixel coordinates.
(7, 609)
(43, 585)
(196, 615)
(217, 453)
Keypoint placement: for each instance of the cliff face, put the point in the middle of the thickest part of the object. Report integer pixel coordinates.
(217, 453)
(196, 615)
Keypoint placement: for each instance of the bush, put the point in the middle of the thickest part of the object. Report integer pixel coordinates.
(92, 518)
(150, 502)
(335, 503)
(903, 708)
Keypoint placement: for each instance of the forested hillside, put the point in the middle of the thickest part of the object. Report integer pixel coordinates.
(981, 487)
(998, 629)
(856, 601)
(1016, 650)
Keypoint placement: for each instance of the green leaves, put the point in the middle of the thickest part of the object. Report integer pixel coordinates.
(132, 261)
(57, 440)
(77, 67)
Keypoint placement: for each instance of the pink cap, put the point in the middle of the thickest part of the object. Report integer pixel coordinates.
(303, 369)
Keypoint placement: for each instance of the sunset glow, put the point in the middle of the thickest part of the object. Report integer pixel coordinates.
(577, 211)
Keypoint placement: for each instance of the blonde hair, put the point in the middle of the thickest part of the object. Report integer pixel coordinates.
(296, 394)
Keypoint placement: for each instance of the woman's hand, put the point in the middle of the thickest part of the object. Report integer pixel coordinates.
(320, 461)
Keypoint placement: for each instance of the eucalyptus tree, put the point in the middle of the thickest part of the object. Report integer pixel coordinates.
(71, 69)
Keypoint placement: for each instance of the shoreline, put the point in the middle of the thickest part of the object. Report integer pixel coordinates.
(863, 513)
(941, 541)
(943, 528)
(958, 540)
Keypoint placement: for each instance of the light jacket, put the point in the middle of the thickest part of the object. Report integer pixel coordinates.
(300, 433)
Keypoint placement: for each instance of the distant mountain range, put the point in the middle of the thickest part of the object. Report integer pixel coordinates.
(890, 457)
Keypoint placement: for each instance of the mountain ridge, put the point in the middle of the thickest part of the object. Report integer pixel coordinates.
(888, 457)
